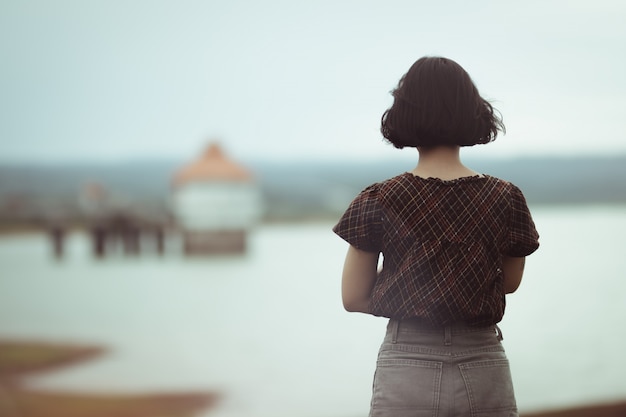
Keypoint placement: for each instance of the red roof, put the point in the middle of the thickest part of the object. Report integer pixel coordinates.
(213, 165)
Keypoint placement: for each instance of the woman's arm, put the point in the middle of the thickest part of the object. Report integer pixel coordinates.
(513, 269)
(359, 275)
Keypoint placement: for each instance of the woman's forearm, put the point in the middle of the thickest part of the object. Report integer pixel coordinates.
(358, 278)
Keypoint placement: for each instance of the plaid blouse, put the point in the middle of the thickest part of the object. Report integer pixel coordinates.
(442, 244)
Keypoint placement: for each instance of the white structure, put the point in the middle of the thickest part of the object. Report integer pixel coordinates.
(215, 202)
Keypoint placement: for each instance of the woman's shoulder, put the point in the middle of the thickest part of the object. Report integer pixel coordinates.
(385, 184)
(496, 181)
(502, 183)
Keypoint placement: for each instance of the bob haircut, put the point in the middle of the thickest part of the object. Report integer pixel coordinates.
(437, 104)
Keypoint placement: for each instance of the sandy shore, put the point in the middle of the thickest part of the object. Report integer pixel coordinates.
(20, 360)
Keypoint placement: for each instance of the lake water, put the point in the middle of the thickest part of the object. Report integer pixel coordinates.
(267, 330)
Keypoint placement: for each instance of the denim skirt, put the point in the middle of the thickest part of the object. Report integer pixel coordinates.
(442, 372)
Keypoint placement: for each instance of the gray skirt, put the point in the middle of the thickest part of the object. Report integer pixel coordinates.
(442, 372)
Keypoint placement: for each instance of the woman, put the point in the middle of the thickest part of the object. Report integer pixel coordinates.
(453, 243)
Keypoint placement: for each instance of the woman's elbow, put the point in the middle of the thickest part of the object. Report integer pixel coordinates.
(355, 305)
(349, 307)
(513, 270)
(511, 286)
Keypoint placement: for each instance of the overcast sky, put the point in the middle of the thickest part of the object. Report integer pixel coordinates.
(120, 79)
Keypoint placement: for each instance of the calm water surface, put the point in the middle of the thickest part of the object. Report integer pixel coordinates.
(268, 331)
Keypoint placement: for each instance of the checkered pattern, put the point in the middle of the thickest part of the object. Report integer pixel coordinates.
(442, 244)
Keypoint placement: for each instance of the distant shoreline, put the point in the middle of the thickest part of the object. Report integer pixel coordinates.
(295, 190)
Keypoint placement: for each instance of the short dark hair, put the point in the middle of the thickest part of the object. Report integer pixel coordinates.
(436, 103)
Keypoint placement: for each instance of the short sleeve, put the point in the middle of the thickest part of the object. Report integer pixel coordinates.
(361, 224)
(523, 238)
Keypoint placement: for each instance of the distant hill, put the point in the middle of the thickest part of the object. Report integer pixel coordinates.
(300, 190)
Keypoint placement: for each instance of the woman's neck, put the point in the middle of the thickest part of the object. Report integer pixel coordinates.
(442, 162)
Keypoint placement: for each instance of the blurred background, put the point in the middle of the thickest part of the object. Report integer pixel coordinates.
(170, 173)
